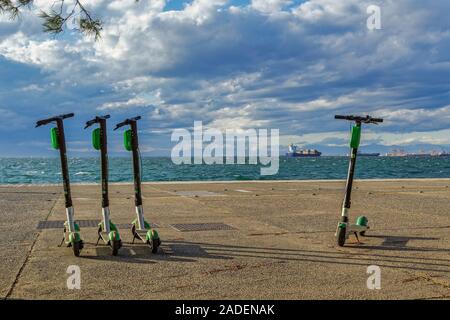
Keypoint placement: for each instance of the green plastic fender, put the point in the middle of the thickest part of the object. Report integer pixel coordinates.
(362, 221)
(113, 227)
(54, 138)
(74, 237)
(127, 137)
(342, 225)
(96, 143)
(114, 235)
(356, 137)
(152, 235)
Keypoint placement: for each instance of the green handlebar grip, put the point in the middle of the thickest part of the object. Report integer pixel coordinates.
(356, 137)
(127, 140)
(54, 138)
(96, 143)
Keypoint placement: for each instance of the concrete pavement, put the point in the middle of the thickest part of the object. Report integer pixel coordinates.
(282, 244)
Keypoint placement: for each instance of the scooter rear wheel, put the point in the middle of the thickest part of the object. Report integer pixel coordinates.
(340, 239)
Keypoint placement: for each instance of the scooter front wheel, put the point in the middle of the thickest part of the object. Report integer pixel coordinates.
(155, 244)
(115, 246)
(340, 238)
(76, 247)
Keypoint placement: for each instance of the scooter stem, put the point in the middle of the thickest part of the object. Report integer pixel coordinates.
(136, 165)
(64, 166)
(350, 175)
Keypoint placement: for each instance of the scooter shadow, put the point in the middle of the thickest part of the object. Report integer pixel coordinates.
(171, 252)
(398, 243)
(329, 257)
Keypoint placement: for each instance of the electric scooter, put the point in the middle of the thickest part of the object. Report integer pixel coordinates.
(107, 231)
(344, 228)
(71, 229)
(140, 229)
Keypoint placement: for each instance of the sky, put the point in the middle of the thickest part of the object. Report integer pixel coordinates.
(280, 64)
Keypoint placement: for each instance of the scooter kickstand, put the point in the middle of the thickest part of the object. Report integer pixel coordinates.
(62, 241)
(98, 240)
(357, 238)
(63, 238)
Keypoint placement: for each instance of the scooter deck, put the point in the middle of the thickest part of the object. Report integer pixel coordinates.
(357, 228)
(104, 236)
(141, 234)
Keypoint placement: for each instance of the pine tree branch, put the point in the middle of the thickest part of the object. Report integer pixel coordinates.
(54, 21)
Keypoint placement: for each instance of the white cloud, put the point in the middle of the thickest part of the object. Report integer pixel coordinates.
(269, 6)
(134, 102)
(48, 54)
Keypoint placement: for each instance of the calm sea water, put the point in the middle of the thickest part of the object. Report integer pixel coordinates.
(47, 170)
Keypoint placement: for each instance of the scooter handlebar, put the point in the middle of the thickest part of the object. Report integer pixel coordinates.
(366, 119)
(96, 120)
(49, 120)
(127, 122)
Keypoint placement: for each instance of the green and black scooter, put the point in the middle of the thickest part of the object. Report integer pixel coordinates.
(344, 228)
(71, 229)
(140, 229)
(107, 231)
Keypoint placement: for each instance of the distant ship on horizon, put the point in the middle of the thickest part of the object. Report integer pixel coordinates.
(294, 152)
(368, 154)
(403, 153)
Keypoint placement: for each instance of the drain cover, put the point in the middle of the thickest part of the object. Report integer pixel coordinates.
(50, 224)
(184, 227)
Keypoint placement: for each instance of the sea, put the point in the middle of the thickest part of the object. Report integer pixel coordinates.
(87, 170)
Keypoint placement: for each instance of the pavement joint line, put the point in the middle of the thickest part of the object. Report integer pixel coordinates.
(27, 258)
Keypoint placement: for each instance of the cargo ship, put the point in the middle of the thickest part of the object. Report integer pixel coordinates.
(294, 152)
